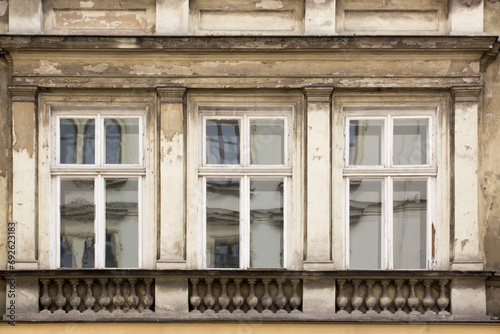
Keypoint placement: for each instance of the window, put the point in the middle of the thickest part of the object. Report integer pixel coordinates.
(245, 174)
(390, 172)
(97, 172)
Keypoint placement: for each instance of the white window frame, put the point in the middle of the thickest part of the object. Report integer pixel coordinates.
(387, 172)
(99, 171)
(244, 171)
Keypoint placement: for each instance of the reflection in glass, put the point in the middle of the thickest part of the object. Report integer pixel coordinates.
(267, 141)
(365, 142)
(76, 141)
(122, 212)
(122, 140)
(223, 228)
(77, 212)
(365, 221)
(266, 223)
(410, 141)
(223, 142)
(410, 221)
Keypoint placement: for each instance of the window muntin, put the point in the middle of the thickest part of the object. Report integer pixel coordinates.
(245, 194)
(98, 171)
(389, 173)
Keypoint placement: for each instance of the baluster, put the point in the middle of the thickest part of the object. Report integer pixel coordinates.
(341, 299)
(371, 300)
(266, 300)
(118, 299)
(224, 299)
(443, 301)
(45, 300)
(252, 299)
(104, 299)
(385, 300)
(147, 299)
(195, 300)
(133, 299)
(209, 299)
(280, 300)
(295, 300)
(238, 298)
(413, 300)
(356, 300)
(399, 301)
(428, 300)
(74, 300)
(89, 299)
(60, 299)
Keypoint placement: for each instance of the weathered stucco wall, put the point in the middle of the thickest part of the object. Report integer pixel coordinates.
(4, 16)
(490, 155)
(490, 162)
(4, 160)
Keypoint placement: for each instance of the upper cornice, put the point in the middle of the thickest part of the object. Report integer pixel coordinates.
(249, 43)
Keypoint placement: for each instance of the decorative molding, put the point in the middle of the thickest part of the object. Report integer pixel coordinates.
(23, 93)
(172, 94)
(466, 94)
(318, 93)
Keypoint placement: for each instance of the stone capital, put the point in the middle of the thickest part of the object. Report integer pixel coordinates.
(466, 94)
(23, 93)
(318, 93)
(171, 94)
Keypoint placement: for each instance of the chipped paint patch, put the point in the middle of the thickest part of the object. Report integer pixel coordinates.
(86, 4)
(3, 7)
(99, 68)
(319, 2)
(47, 68)
(146, 70)
(269, 4)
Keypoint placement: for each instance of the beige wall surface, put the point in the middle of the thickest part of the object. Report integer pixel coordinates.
(249, 328)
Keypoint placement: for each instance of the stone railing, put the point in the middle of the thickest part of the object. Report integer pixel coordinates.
(393, 297)
(103, 296)
(251, 296)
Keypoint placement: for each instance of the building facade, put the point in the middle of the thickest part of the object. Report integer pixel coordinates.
(250, 166)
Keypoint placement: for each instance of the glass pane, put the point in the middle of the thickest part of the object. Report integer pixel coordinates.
(223, 142)
(266, 223)
(77, 223)
(410, 223)
(122, 212)
(410, 141)
(365, 142)
(267, 145)
(223, 228)
(122, 140)
(365, 221)
(76, 141)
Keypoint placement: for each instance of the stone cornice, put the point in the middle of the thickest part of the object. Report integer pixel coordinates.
(249, 43)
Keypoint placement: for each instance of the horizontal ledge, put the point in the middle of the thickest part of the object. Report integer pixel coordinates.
(111, 171)
(404, 172)
(243, 273)
(275, 317)
(228, 170)
(251, 43)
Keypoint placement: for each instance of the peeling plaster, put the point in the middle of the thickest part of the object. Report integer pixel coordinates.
(146, 70)
(99, 68)
(464, 242)
(86, 4)
(47, 68)
(319, 2)
(269, 4)
(3, 7)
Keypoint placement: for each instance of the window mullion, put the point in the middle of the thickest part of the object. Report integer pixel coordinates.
(244, 228)
(389, 223)
(100, 228)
